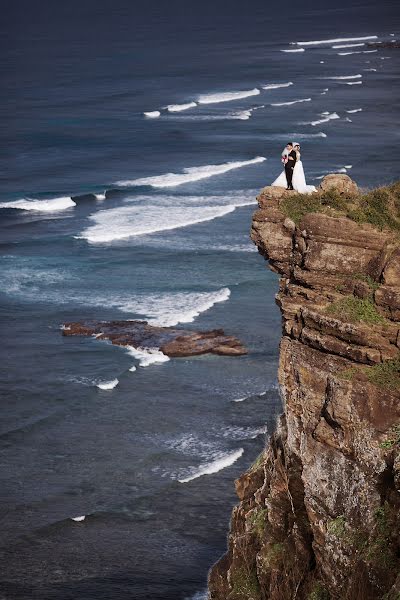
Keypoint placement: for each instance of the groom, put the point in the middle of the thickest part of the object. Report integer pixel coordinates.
(289, 164)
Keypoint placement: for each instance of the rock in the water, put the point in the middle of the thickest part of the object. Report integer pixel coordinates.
(342, 183)
(172, 342)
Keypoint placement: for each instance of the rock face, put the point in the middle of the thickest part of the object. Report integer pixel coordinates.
(318, 517)
(172, 342)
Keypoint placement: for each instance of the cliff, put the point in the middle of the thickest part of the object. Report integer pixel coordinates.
(318, 517)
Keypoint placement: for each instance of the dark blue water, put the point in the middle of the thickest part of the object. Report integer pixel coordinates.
(77, 79)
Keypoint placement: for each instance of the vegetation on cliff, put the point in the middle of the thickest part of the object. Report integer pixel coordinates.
(379, 207)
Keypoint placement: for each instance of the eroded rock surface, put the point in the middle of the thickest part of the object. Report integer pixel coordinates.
(318, 516)
(172, 342)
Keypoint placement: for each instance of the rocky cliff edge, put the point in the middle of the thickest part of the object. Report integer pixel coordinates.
(318, 517)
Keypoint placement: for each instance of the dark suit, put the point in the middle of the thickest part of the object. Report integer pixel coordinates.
(289, 168)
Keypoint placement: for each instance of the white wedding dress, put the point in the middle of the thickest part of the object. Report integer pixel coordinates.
(298, 181)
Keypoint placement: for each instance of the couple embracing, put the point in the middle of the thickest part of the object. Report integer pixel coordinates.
(293, 178)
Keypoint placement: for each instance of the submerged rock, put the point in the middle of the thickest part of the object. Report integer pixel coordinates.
(172, 342)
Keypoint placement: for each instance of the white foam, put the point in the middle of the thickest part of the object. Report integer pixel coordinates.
(352, 82)
(242, 115)
(226, 96)
(347, 46)
(100, 196)
(167, 310)
(354, 110)
(180, 107)
(108, 385)
(223, 461)
(294, 50)
(130, 221)
(348, 166)
(78, 519)
(275, 86)
(356, 52)
(51, 205)
(240, 399)
(189, 174)
(305, 136)
(154, 114)
(132, 369)
(328, 117)
(337, 40)
(292, 102)
(147, 356)
(340, 77)
(374, 70)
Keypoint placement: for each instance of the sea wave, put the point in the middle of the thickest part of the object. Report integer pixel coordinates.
(337, 40)
(108, 385)
(189, 174)
(325, 119)
(167, 309)
(294, 50)
(305, 136)
(50, 205)
(180, 107)
(147, 356)
(354, 110)
(340, 77)
(292, 102)
(226, 96)
(352, 82)
(221, 462)
(154, 114)
(130, 221)
(347, 46)
(275, 86)
(356, 52)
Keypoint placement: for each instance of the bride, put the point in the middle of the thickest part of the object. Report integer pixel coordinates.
(299, 180)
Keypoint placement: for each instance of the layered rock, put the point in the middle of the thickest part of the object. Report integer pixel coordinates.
(318, 516)
(172, 342)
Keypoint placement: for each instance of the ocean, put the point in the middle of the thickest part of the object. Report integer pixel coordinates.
(134, 142)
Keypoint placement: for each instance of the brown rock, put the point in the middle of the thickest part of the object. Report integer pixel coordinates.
(340, 182)
(172, 342)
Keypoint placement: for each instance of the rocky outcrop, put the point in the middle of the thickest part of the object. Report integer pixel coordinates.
(172, 342)
(318, 517)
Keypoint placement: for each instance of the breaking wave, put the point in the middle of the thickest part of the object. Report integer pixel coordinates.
(325, 119)
(146, 356)
(226, 96)
(292, 102)
(275, 86)
(337, 41)
(51, 205)
(180, 107)
(108, 385)
(189, 174)
(223, 461)
(154, 114)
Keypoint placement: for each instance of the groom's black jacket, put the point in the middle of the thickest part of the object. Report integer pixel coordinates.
(289, 166)
(291, 163)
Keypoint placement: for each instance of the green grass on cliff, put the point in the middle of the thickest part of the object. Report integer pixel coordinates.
(386, 374)
(356, 310)
(379, 207)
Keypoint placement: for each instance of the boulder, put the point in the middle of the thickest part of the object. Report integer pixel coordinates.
(340, 182)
